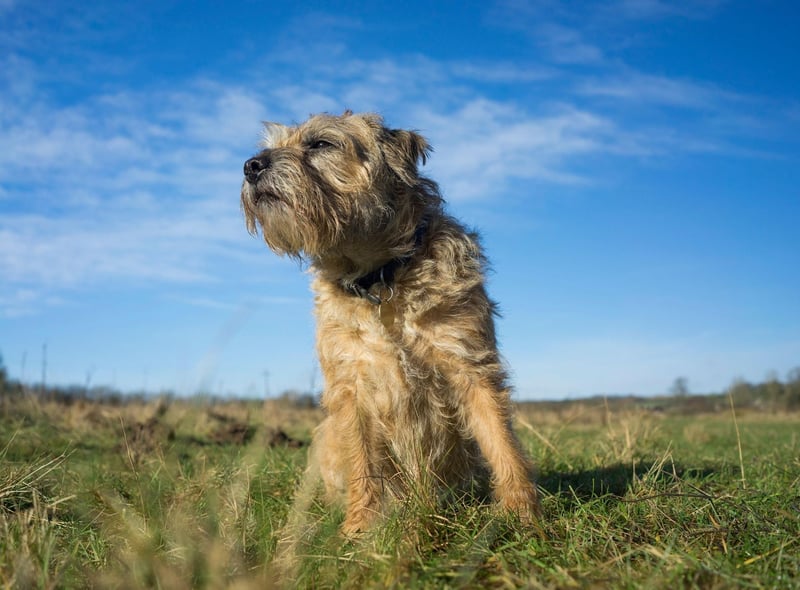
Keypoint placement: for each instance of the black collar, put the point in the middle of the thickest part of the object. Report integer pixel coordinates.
(383, 275)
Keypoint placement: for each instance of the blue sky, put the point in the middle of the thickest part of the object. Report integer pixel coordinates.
(633, 166)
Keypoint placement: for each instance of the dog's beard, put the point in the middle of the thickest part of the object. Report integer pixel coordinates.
(312, 222)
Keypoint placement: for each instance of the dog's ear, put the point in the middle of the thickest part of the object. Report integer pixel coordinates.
(273, 133)
(403, 150)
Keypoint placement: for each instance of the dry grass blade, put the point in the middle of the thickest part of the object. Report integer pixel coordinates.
(23, 479)
(738, 439)
(630, 499)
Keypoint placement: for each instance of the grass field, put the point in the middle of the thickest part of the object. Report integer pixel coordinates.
(190, 494)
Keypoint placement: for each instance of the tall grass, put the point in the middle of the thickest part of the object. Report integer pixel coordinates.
(169, 495)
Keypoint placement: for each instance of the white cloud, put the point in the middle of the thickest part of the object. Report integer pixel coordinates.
(644, 88)
(480, 143)
(567, 46)
(143, 184)
(502, 72)
(487, 144)
(658, 9)
(164, 246)
(126, 187)
(22, 301)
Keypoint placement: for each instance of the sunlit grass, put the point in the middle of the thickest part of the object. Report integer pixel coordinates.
(186, 494)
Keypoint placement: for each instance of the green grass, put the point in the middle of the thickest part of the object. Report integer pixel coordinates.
(164, 495)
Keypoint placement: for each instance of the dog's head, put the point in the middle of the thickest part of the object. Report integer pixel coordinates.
(330, 182)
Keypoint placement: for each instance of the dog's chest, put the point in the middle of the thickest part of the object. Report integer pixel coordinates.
(372, 347)
(406, 380)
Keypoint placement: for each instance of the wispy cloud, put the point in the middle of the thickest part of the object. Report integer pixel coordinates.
(252, 303)
(125, 187)
(17, 301)
(591, 15)
(567, 46)
(637, 87)
(488, 144)
(142, 185)
(481, 143)
(659, 9)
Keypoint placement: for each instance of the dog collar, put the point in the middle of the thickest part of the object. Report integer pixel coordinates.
(384, 275)
(362, 286)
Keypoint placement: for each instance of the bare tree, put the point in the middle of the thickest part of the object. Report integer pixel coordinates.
(680, 387)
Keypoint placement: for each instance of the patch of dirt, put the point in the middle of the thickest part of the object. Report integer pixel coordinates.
(142, 438)
(233, 433)
(278, 438)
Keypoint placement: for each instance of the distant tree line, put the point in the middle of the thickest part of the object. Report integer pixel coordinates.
(70, 394)
(771, 395)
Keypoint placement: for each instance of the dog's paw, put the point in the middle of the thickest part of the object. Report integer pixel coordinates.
(356, 523)
(522, 501)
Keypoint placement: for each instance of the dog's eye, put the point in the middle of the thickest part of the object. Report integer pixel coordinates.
(320, 144)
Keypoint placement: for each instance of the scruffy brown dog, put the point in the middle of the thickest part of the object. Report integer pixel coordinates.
(415, 391)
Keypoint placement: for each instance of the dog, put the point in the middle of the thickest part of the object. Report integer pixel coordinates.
(416, 394)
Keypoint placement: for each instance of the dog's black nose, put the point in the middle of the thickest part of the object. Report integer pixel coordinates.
(254, 166)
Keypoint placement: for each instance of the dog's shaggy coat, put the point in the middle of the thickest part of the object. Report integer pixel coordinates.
(415, 391)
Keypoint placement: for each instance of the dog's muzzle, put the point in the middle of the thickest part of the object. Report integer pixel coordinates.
(255, 166)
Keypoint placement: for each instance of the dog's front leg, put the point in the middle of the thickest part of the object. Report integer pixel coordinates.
(363, 487)
(487, 414)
